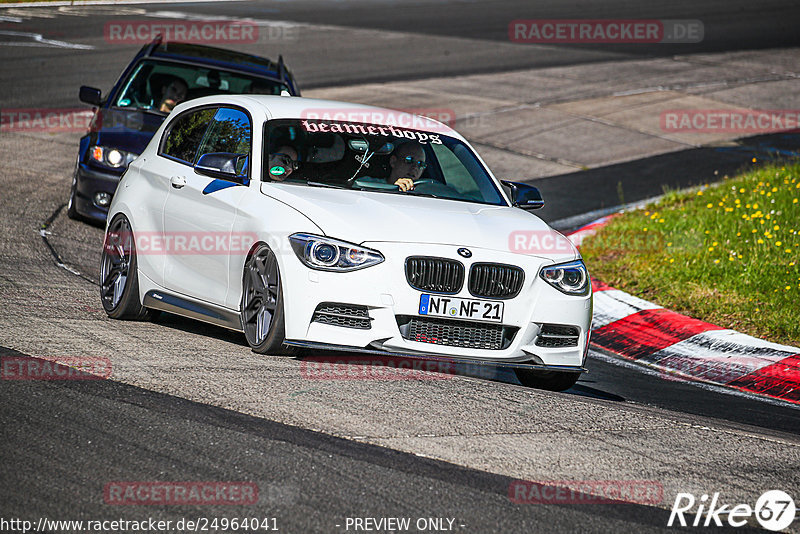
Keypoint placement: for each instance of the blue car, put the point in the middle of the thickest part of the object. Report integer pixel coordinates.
(162, 75)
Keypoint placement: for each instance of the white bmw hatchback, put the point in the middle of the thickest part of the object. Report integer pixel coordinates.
(317, 224)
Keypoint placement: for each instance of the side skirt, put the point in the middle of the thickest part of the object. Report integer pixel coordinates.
(185, 307)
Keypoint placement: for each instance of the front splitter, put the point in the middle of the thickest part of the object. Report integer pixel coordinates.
(433, 357)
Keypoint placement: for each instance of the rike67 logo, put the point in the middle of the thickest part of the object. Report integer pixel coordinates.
(774, 510)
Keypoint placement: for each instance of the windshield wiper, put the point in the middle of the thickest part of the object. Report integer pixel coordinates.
(331, 186)
(421, 194)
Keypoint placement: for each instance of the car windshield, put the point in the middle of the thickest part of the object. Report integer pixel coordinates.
(160, 85)
(369, 157)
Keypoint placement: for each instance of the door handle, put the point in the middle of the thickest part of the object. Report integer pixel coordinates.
(178, 181)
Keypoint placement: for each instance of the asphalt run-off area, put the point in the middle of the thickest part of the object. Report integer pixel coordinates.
(175, 425)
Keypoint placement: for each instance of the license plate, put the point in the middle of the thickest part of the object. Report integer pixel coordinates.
(473, 309)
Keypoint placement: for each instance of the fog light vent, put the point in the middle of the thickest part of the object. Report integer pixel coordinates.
(344, 315)
(558, 335)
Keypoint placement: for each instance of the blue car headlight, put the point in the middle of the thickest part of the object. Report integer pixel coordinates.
(326, 254)
(571, 278)
(112, 157)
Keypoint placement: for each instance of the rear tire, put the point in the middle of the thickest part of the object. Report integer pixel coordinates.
(547, 380)
(261, 315)
(119, 278)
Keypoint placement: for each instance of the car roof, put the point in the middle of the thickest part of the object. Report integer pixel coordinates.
(295, 107)
(217, 57)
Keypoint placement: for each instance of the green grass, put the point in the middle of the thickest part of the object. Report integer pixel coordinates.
(727, 254)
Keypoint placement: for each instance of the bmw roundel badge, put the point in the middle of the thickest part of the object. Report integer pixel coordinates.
(465, 252)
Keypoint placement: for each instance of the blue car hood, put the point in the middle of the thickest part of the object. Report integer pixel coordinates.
(126, 130)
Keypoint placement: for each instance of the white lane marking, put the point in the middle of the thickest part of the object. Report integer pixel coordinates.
(43, 13)
(80, 11)
(268, 30)
(612, 305)
(66, 3)
(10, 19)
(654, 371)
(72, 11)
(37, 39)
(749, 344)
(181, 15)
(720, 356)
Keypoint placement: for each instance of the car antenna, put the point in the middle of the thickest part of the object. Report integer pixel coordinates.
(154, 43)
(281, 69)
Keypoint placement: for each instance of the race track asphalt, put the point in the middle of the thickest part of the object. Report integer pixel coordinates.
(191, 402)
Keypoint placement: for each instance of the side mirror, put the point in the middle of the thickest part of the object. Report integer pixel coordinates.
(524, 196)
(221, 165)
(90, 95)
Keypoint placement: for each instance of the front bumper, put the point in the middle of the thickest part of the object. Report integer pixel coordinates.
(310, 345)
(388, 298)
(89, 182)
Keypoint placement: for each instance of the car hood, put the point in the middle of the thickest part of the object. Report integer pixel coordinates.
(126, 130)
(360, 216)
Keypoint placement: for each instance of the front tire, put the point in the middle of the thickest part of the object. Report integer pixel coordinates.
(547, 380)
(72, 210)
(262, 316)
(119, 278)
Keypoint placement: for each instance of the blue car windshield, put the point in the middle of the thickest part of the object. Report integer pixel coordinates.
(368, 157)
(161, 85)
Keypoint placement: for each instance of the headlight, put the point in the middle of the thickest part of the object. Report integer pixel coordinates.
(326, 254)
(571, 278)
(112, 157)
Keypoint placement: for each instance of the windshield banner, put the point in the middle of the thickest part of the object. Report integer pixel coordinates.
(312, 126)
